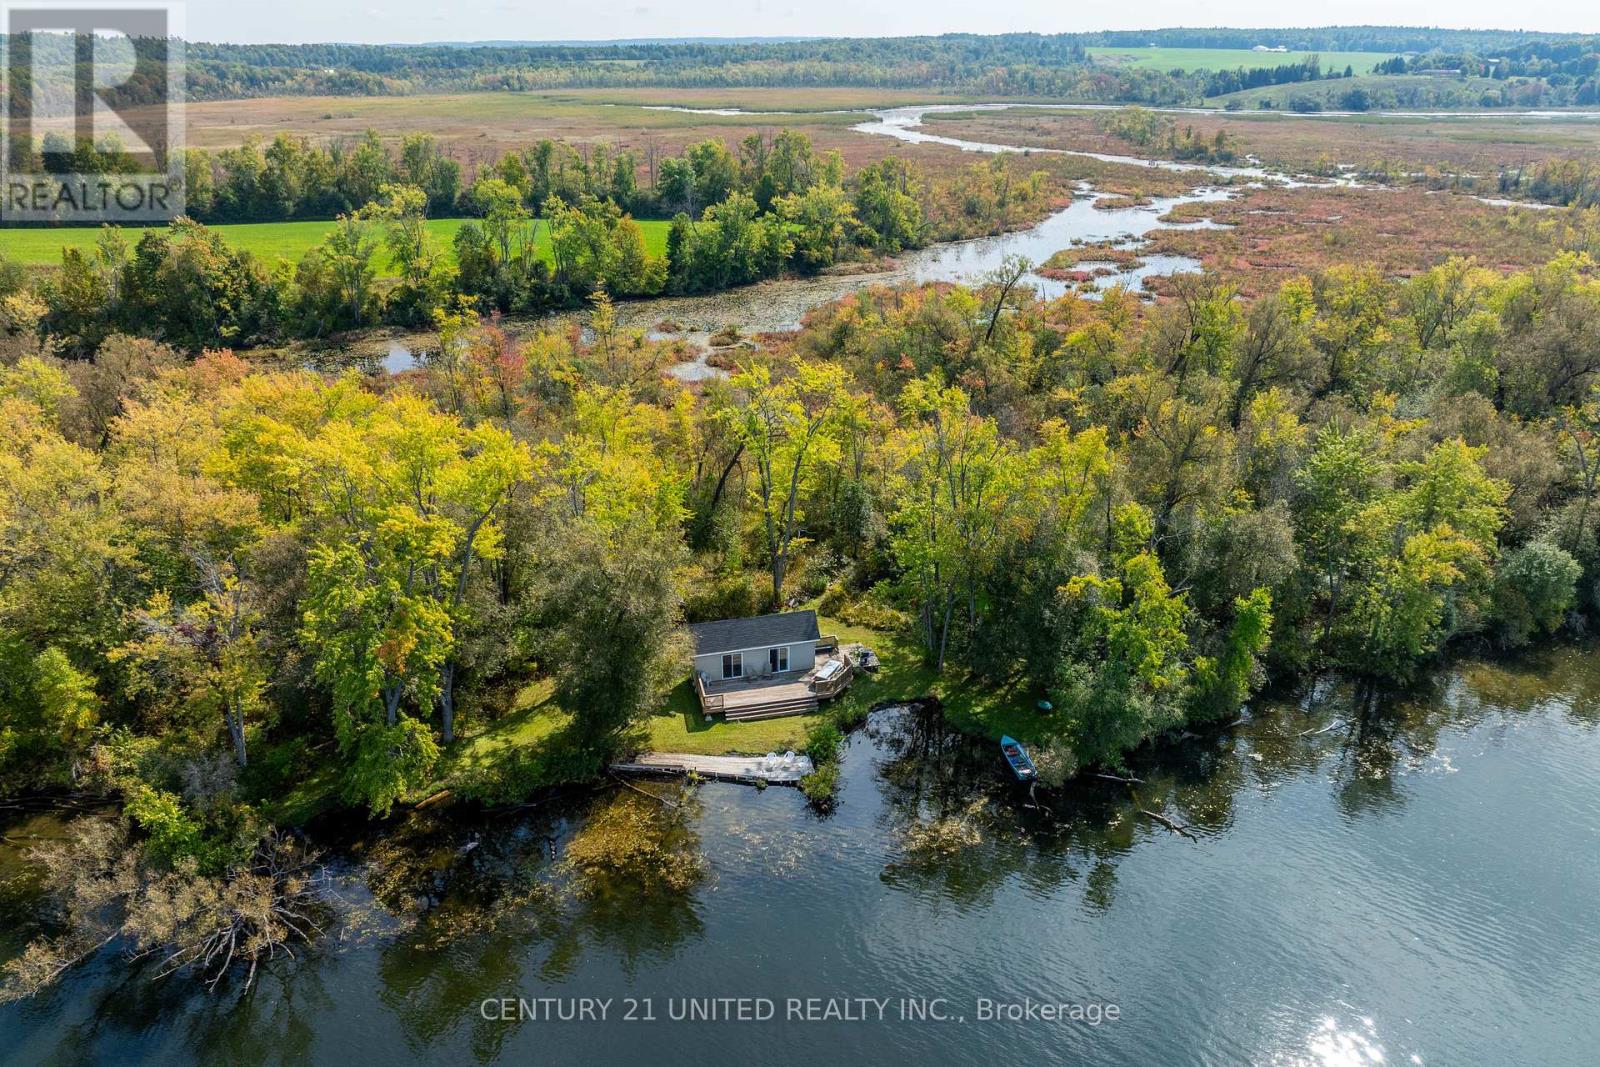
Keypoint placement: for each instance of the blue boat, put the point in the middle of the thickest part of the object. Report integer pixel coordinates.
(1017, 757)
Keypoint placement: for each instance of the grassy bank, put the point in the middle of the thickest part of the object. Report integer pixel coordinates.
(269, 241)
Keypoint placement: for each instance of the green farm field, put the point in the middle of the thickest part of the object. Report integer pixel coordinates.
(269, 241)
(1232, 58)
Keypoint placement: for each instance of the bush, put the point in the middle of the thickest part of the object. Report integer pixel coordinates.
(1535, 588)
(1056, 762)
(823, 743)
(872, 612)
(813, 577)
(822, 785)
(734, 597)
(835, 600)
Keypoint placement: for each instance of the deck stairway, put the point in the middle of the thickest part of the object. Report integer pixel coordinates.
(804, 705)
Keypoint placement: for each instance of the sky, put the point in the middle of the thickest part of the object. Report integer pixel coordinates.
(411, 21)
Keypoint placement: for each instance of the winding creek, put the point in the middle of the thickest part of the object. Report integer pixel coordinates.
(780, 305)
(1374, 879)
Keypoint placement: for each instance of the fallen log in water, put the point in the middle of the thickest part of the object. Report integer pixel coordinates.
(642, 792)
(1168, 823)
(1117, 778)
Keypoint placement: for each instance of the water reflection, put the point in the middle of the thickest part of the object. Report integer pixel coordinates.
(1373, 877)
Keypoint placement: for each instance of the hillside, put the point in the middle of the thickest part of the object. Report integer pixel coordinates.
(1379, 92)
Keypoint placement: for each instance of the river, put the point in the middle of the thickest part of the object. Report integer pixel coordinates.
(780, 305)
(1403, 879)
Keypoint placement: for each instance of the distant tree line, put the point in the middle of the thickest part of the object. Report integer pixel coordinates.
(1395, 39)
(1058, 66)
(547, 228)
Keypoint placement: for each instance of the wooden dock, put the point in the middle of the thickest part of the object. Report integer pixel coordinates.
(749, 770)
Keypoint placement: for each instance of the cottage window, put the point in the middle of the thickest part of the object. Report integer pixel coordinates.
(733, 665)
(778, 659)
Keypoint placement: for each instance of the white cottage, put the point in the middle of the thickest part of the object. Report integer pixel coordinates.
(766, 666)
(761, 647)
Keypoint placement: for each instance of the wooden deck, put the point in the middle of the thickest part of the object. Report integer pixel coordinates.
(798, 693)
(746, 769)
(739, 703)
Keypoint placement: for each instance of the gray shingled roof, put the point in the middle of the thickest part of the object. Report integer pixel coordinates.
(763, 631)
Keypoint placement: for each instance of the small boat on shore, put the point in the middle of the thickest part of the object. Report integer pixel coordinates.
(1017, 757)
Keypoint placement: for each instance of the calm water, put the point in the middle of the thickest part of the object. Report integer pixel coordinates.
(1410, 883)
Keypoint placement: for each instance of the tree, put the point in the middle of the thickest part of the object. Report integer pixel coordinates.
(1420, 556)
(503, 214)
(67, 704)
(423, 274)
(733, 244)
(425, 166)
(209, 655)
(824, 221)
(399, 505)
(595, 246)
(1339, 478)
(675, 185)
(716, 171)
(365, 171)
(337, 278)
(964, 486)
(1350, 330)
(1124, 676)
(611, 603)
(1273, 344)
(1224, 683)
(887, 201)
(65, 548)
(783, 428)
(1580, 438)
(1397, 615)
(188, 287)
(1003, 279)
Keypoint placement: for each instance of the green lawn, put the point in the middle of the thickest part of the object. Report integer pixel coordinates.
(981, 709)
(532, 719)
(1233, 58)
(309, 795)
(269, 241)
(681, 728)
